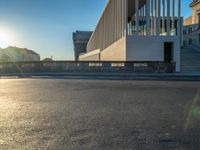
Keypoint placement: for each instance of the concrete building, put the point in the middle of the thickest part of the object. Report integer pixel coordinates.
(137, 30)
(191, 30)
(80, 40)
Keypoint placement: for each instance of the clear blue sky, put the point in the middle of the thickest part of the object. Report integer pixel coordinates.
(46, 26)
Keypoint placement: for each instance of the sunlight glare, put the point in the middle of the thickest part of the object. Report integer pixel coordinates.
(6, 38)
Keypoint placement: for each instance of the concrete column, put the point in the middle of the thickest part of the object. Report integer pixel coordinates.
(168, 17)
(179, 17)
(173, 14)
(126, 18)
(163, 16)
(152, 18)
(158, 18)
(137, 15)
(178, 68)
(155, 17)
(181, 30)
(148, 17)
(141, 19)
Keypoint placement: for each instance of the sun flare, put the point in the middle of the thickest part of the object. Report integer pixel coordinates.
(6, 38)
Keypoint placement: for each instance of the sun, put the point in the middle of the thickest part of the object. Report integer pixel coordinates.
(6, 38)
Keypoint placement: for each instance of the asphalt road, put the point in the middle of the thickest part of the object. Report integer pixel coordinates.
(62, 114)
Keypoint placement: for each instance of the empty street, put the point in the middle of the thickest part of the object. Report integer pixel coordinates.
(80, 114)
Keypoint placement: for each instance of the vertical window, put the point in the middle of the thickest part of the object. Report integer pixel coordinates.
(199, 20)
(199, 37)
(184, 31)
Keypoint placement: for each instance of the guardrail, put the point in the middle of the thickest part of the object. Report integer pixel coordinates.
(86, 66)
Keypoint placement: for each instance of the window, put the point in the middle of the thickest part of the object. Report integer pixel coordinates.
(184, 31)
(190, 41)
(199, 37)
(190, 30)
(199, 20)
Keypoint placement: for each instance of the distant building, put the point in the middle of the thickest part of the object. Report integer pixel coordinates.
(137, 30)
(48, 60)
(15, 54)
(191, 32)
(80, 39)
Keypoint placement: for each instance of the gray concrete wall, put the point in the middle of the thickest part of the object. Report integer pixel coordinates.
(91, 56)
(151, 48)
(115, 52)
(111, 26)
(85, 66)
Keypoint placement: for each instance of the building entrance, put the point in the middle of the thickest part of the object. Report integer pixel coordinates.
(199, 38)
(168, 51)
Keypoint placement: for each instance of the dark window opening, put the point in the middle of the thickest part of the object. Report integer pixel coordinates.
(199, 37)
(168, 51)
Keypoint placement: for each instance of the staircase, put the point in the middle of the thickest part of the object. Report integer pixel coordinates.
(190, 59)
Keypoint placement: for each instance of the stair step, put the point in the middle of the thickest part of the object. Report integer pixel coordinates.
(190, 59)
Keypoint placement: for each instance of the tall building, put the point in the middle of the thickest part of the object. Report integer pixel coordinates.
(80, 39)
(137, 30)
(195, 5)
(192, 25)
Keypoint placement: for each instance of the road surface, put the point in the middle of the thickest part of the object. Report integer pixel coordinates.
(63, 114)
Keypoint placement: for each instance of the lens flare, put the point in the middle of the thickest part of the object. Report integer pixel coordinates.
(6, 38)
(196, 112)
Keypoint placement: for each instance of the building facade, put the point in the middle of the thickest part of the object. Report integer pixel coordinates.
(80, 40)
(16, 54)
(191, 30)
(137, 30)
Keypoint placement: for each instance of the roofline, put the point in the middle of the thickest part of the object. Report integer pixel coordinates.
(99, 21)
(194, 3)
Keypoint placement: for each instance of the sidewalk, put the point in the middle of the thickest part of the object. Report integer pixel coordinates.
(186, 76)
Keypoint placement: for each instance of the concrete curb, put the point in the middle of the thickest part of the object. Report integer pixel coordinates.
(110, 76)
